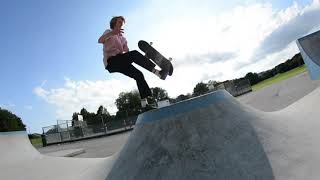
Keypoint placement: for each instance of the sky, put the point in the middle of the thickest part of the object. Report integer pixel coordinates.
(51, 64)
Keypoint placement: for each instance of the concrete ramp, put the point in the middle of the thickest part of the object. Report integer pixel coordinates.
(209, 137)
(309, 47)
(20, 161)
(216, 137)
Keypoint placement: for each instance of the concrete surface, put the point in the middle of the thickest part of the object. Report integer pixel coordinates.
(309, 48)
(19, 160)
(216, 137)
(94, 148)
(280, 95)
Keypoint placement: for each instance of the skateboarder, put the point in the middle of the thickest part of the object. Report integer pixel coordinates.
(118, 58)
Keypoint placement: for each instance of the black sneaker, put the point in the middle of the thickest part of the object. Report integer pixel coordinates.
(165, 68)
(163, 74)
(152, 101)
(148, 108)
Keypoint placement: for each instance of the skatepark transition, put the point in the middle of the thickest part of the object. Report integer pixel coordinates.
(213, 136)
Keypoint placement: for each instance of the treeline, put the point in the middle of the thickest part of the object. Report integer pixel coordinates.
(254, 78)
(10, 122)
(292, 63)
(200, 89)
(128, 105)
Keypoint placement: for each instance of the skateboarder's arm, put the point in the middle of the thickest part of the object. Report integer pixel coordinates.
(105, 36)
(108, 33)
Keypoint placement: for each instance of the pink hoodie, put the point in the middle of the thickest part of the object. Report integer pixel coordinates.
(114, 45)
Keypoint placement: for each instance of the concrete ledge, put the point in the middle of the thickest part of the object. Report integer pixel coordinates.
(66, 153)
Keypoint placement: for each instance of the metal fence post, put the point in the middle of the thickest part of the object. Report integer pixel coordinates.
(104, 127)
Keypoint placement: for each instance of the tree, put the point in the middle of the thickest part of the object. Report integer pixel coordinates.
(159, 94)
(200, 88)
(128, 104)
(181, 97)
(84, 112)
(252, 77)
(212, 83)
(74, 118)
(10, 122)
(283, 67)
(102, 111)
(90, 118)
(297, 59)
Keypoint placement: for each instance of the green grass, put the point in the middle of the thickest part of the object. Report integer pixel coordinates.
(37, 142)
(280, 77)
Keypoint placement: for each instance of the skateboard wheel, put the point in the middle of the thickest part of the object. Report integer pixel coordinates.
(170, 59)
(151, 43)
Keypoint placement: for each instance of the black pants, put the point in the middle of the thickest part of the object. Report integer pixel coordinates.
(122, 63)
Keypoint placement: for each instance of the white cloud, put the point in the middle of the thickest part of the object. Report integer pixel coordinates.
(294, 23)
(88, 94)
(248, 38)
(40, 92)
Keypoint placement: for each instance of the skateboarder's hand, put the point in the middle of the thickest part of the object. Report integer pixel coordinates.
(117, 31)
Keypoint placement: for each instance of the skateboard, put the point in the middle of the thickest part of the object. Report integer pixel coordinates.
(156, 57)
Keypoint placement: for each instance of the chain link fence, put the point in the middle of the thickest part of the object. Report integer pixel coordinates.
(68, 130)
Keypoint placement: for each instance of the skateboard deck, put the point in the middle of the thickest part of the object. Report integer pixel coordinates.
(156, 57)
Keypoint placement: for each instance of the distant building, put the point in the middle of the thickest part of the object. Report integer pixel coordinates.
(163, 103)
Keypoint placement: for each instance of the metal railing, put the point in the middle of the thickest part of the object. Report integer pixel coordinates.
(68, 130)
